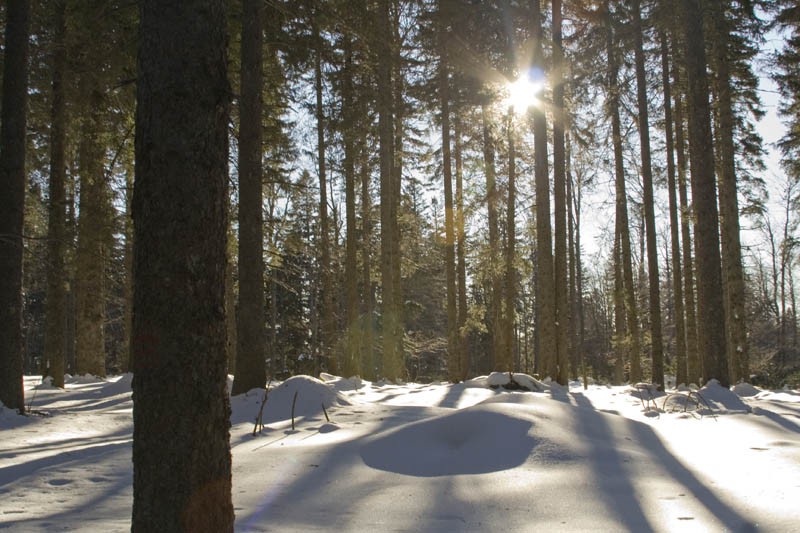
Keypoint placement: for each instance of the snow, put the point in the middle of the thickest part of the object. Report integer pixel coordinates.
(431, 457)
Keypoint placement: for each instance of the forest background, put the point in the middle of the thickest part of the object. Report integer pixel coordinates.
(430, 256)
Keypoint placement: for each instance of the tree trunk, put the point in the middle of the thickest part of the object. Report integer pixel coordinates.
(656, 340)
(546, 348)
(12, 190)
(507, 357)
(461, 264)
(449, 223)
(368, 361)
(560, 202)
(693, 371)
(710, 309)
(326, 282)
(495, 300)
(350, 365)
(392, 364)
(251, 370)
(733, 272)
(674, 225)
(632, 341)
(91, 256)
(56, 312)
(181, 408)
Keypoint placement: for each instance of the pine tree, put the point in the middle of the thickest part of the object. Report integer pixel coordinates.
(12, 189)
(250, 333)
(179, 211)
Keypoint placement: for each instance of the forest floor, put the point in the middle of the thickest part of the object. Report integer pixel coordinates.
(431, 457)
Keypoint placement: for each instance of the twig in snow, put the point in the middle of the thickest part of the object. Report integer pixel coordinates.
(260, 418)
(294, 401)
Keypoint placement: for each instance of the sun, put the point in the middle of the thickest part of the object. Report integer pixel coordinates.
(523, 93)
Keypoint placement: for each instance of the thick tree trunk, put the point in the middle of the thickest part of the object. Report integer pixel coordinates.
(656, 338)
(733, 272)
(55, 336)
(12, 190)
(91, 256)
(392, 364)
(181, 449)
(674, 224)
(693, 371)
(546, 349)
(251, 370)
(710, 308)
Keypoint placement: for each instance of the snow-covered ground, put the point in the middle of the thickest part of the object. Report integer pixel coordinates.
(434, 457)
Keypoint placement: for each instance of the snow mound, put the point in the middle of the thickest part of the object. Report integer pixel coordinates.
(745, 390)
(508, 380)
(721, 399)
(476, 440)
(342, 384)
(312, 394)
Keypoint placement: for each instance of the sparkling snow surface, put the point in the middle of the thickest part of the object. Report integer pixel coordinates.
(438, 457)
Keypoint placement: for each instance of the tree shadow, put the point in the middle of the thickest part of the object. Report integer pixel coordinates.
(615, 486)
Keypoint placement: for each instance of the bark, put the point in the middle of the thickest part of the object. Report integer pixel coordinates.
(693, 371)
(368, 361)
(545, 290)
(56, 311)
(733, 272)
(327, 322)
(560, 202)
(461, 264)
(92, 253)
(710, 305)
(12, 190)
(632, 340)
(495, 282)
(449, 222)
(656, 337)
(251, 369)
(351, 363)
(674, 224)
(506, 362)
(181, 408)
(391, 363)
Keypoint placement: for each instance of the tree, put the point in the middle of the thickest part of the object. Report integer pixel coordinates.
(545, 290)
(733, 272)
(674, 225)
(560, 201)
(449, 221)
(56, 313)
(179, 212)
(251, 333)
(632, 340)
(710, 310)
(392, 361)
(657, 348)
(12, 189)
